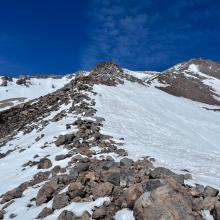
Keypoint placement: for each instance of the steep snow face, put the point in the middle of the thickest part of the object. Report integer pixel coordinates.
(13, 94)
(144, 75)
(177, 132)
(213, 82)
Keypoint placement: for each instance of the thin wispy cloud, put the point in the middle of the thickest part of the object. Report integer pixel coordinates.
(135, 35)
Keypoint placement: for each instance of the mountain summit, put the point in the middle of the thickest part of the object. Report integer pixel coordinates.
(111, 143)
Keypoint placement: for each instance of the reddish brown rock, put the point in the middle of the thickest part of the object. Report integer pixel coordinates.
(102, 189)
(46, 192)
(45, 212)
(75, 189)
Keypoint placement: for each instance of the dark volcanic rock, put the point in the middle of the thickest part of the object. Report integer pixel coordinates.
(161, 172)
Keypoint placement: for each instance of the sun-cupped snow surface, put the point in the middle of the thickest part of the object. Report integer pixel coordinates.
(177, 132)
(36, 87)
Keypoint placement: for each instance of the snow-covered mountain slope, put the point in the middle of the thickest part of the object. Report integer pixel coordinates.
(89, 150)
(144, 75)
(177, 132)
(197, 79)
(18, 90)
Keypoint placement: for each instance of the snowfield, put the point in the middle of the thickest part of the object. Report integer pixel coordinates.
(177, 132)
(35, 89)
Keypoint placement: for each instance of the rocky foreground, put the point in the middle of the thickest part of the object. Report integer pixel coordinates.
(151, 193)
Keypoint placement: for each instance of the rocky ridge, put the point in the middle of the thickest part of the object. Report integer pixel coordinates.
(152, 193)
(189, 80)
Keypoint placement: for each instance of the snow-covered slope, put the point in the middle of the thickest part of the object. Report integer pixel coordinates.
(68, 149)
(177, 132)
(14, 93)
(144, 75)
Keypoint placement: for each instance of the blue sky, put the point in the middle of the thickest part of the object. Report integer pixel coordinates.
(59, 36)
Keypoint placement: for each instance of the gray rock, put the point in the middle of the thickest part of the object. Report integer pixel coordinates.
(60, 201)
(217, 210)
(161, 172)
(81, 167)
(44, 163)
(126, 162)
(46, 192)
(61, 157)
(210, 191)
(112, 175)
(99, 212)
(45, 212)
(102, 189)
(2, 212)
(60, 140)
(152, 184)
(75, 189)
(66, 215)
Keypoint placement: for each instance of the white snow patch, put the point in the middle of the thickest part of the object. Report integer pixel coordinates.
(36, 88)
(144, 75)
(206, 215)
(124, 214)
(213, 82)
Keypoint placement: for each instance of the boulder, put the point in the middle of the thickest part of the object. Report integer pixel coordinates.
(126, 161)
(152, 184)
(66, 215)
(64, 139)
(161, 172)
(112, 175)
(102, 189)
(130, 195)
(207, 203)
(210, 191)
(39, 177)
(46, 192)
(14, 193)
(45, 212)
(21, 81)
(168, 202)
(99, 212)
(44, 163)
(3, 83)
(59, 201)
(75, 189)
(61, 157)
(60, 140)
(217, 210)
(2, 212)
